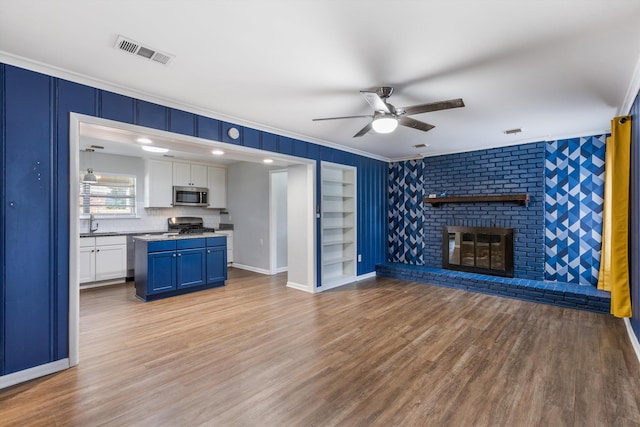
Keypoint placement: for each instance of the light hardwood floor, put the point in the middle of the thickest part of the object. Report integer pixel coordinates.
(382, 352)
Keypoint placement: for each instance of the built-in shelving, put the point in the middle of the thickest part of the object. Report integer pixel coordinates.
(338, 224)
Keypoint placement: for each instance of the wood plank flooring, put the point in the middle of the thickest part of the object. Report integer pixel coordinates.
(381, 352)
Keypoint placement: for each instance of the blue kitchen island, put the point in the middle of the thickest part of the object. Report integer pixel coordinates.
(169, 265)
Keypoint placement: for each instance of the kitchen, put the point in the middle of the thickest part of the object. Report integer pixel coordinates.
(145, 187)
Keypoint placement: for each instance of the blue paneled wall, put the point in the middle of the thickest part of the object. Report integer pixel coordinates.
(634, 206)
(34, 151)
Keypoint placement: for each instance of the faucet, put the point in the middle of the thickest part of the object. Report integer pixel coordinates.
(92, 219)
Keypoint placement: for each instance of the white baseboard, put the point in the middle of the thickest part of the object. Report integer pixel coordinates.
(250, 268)
(366, 276)
(633, 338)
(90, 285)
(299, 287)
(33, 373)
(281, 270)
(326, 287)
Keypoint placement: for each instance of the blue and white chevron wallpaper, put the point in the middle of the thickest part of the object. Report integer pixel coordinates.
(574, 197)
(405, 239)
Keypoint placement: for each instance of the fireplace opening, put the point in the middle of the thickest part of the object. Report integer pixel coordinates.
(486, 250)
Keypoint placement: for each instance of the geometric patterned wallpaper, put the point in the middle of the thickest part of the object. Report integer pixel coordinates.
(574, 198)
(405, 237)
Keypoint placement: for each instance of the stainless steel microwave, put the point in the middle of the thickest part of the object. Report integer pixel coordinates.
(190, 196)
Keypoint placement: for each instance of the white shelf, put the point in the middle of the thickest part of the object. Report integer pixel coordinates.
(338, 219)
(337, 242)
(336, 261)
(337, 181)
(336, 195)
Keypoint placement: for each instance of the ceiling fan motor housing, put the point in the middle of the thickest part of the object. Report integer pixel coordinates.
(384, 91)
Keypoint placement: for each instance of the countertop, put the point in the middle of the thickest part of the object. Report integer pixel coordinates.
(172, 236)
(141, 233)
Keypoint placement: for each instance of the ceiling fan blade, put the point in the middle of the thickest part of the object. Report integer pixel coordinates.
(433, 106)
(339, 118)
(375, 101)
(416, 124)
(363, 131)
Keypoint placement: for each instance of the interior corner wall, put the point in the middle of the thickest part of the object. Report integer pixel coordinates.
(415, 227)
(557, 238)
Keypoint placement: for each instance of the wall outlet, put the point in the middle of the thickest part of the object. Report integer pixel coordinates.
(261, 242)
(359, 258)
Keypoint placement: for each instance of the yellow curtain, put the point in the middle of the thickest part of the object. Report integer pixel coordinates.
(614, 259)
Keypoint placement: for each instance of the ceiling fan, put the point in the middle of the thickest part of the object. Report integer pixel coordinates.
(386, 117)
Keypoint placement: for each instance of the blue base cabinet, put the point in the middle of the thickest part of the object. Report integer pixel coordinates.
(216, 259)
(165, 268)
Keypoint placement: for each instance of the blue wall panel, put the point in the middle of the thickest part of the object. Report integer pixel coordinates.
(71, 97)
(208, 128)
(28, 329)
(152, 115)
(2, 215)
(182, 122)
(285, 145)
(116, 107)
(634, 205)
(251, 138)
(269, 141)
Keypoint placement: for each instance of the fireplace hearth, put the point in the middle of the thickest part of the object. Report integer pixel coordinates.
(485, 250)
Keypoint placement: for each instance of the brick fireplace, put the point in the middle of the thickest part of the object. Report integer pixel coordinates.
(485, 250)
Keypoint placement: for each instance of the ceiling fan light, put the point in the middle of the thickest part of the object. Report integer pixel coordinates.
(384, 124)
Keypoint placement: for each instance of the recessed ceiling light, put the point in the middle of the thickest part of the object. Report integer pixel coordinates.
(144, 141)
(154, 149)
(268, 160)
(217, 152)
(421, 145)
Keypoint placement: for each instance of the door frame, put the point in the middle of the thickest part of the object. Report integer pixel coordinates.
(75, 120)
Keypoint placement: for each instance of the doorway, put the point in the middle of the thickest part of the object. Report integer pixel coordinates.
(300, 201)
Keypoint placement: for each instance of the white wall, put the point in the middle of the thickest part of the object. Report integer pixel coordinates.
(301, 223)
(149, 219)
(279, 210)
(248, 206)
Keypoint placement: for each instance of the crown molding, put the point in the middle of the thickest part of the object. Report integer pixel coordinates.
(40, 67)
(632, 92)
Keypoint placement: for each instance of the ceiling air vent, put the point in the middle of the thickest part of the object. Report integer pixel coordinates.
(133, 47)
(512, 131)
(421, 145)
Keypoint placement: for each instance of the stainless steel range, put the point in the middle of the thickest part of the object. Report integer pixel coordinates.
(188, 225)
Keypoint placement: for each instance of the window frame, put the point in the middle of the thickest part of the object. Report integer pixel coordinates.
(134, 197)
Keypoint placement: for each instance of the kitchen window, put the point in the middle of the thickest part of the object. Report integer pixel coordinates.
(114, 195)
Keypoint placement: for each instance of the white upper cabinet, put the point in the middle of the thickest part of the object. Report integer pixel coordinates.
(158, 184)
(217, 185)
(187, 174)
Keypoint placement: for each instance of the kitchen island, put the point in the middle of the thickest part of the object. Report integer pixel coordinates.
(174, 264)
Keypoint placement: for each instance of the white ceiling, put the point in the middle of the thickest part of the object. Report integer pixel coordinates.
(556, 69)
